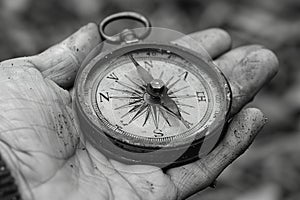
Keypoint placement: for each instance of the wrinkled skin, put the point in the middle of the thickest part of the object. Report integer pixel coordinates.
(43, 149)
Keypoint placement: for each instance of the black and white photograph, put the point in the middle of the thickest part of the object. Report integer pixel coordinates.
(149, 100)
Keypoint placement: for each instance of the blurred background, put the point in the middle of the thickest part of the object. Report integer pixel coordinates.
(270, 169)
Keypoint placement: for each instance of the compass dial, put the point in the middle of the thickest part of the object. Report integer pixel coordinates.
(124, 100)
(153, 97)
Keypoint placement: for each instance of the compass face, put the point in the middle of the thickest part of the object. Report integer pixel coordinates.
(154, 96)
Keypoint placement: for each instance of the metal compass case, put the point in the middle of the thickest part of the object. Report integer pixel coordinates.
(145, 97)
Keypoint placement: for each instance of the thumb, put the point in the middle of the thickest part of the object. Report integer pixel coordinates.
(61, 62)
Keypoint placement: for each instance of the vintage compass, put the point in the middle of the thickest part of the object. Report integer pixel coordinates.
(148, 100)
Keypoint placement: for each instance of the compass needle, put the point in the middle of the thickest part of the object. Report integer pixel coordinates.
(144, 74)
(171, 106)
(179, 117)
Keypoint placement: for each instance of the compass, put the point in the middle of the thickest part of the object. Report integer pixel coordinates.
(155, 103)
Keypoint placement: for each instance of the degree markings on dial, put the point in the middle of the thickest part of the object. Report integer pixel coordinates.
(201, 96)
(189, 124)
(148, 65)
(170, 92)
(155, 115)
(173, 84)
(125, 97)
(125, 91)
(183, 111)
(162, 112)
(118, 127)
(135, 83)
(129, 87)
(130, 104)
(113, 76)
(185, 75)
(184, 105)
(106, 97)
(135, 108)
(140, 112)
(168, 81)
(184, 96)
(161, 75)
(147, 115)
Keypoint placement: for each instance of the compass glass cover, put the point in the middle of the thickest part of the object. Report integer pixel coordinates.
(153, 95)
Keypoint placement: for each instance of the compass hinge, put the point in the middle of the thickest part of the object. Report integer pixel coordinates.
(128, 36)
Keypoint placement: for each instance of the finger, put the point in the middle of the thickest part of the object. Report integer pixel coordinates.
(60, 62)
(193, 177)
(210, 43)
(247, 69)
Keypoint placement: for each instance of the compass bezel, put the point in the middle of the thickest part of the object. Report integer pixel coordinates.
(96, 130)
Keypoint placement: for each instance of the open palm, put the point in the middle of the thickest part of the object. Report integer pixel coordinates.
(43, 148)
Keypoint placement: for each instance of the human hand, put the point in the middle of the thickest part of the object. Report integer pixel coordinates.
(41, 145)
